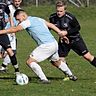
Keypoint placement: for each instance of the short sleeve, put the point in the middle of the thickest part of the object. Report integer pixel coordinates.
(25, 24)
(41, 19)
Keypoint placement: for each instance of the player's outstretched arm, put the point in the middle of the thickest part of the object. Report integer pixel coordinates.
(12, 30)
(53, 27)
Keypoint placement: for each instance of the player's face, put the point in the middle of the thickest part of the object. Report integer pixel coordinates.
(60, 11)
(20, 18)
(17, 3)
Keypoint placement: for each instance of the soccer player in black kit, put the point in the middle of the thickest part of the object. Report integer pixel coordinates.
(66, 21)
(4, 40)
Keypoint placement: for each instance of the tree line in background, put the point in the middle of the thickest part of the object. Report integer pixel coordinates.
(78, 3)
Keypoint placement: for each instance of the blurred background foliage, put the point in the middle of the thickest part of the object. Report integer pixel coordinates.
(49, 2)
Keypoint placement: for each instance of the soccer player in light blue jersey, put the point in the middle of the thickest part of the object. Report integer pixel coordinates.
(47, 48)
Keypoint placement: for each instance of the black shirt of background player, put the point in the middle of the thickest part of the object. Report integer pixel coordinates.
(3, 9)
(67, 22)
(2, 19)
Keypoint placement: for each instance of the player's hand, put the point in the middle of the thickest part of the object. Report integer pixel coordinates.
(12, 34)
(65, 39)
(62, 33)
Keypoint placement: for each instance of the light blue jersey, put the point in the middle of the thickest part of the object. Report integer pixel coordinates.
(8, 23)
(38, 30)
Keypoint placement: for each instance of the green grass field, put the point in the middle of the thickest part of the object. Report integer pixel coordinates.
(86, 83)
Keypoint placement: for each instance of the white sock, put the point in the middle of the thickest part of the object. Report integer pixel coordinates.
(63, 67)
(38, 71)
(6, 60)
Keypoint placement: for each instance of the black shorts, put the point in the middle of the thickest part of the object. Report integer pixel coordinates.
(76, 45)
(4, 41)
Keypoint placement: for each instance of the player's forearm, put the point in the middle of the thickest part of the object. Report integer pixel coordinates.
(10, 30)
(56, 29)
(53, 27)
(59, 32)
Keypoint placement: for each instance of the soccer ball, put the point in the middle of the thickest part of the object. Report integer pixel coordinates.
(22, 79)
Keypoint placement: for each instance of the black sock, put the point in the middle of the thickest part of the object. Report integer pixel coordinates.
(93, 62)
(14, 63)
(3, 65)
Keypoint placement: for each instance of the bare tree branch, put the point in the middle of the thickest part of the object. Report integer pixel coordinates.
(74, 3)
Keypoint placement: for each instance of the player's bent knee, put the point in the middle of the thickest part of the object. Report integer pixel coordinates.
(56, 63)
(10, 52)
(63, 59)
(30, 60)
(88, 56)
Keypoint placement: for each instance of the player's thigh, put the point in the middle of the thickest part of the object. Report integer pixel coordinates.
(63, 49)
(54, 57)
(80, 47)
(13, 44)
(4, 41)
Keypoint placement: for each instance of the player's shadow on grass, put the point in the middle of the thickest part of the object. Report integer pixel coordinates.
(36, 79)
(30, 78)
(6, 77)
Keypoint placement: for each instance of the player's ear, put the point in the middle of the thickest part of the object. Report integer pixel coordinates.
(24, 16)
(65, 7)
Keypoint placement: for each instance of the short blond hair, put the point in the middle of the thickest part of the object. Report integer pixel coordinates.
(60, 3)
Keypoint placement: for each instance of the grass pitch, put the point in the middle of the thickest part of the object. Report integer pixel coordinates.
(86, 73)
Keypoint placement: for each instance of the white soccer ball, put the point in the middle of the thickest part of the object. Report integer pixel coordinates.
(22, 79)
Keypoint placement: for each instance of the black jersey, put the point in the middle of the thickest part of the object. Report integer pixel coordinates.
(10, 9)
(67, 22)
(2, 10)
(7, 11)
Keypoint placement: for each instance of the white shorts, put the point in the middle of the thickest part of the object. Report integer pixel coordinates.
(0, 48)
(44, 51)
(12, 39)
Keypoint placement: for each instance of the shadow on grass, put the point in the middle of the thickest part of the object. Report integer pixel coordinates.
(35, 79)
(50, 78)
(6, 77)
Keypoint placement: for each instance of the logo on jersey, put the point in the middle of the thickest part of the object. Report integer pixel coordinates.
(65, 25)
